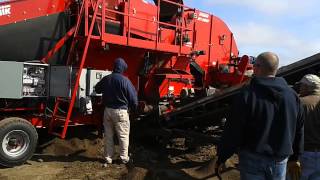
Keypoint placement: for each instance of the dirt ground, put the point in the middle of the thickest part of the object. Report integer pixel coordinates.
(80, 157)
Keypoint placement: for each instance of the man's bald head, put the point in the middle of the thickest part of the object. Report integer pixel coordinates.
(267, 64)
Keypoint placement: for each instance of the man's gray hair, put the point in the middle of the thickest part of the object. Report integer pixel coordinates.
(312, 82)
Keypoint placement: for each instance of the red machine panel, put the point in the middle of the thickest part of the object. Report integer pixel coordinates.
(13, 11)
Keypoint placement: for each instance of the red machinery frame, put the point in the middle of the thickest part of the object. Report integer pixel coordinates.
(108, 38)
(93, 15)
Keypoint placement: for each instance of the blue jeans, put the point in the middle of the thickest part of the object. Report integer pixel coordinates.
(310, 163)
(254, 166)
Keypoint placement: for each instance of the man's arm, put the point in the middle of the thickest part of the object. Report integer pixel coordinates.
(98, 88)
(233, 134)
(132, 96)
(294, 166)
(298, 144)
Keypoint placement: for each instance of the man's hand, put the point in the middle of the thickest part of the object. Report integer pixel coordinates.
(219, 168)
(294, 170)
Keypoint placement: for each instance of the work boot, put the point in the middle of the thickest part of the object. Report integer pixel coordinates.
(125, 161)
(128, 163)
(107, 162)
(105, 165)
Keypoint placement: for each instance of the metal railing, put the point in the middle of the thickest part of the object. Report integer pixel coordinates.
(180, 28)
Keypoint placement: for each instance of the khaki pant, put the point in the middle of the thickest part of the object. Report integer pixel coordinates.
(116, 121)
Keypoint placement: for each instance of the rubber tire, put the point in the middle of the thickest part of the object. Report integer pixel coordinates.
(15, 123)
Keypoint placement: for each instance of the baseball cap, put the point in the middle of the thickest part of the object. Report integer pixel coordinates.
(310, 80)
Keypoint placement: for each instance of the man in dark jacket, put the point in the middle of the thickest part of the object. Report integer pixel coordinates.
(118, 96)
(266, 125)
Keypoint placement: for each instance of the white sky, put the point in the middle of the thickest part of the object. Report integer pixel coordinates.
(289, 28)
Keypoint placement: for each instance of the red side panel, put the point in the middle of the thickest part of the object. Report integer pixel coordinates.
(202, 40)
(223, 43)
(143, 21)
(97, 58)
(215, 38)
(12, 11)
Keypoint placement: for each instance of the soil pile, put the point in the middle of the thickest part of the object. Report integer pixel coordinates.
(80, 156)
(75, 146)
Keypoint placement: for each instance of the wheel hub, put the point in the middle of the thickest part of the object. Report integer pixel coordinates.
(15, 143)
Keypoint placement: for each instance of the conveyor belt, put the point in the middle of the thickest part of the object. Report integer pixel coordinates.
(295, 71)
(204, 109)
(207, 109)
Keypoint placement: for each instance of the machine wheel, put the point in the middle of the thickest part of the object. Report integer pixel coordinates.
(18, 141)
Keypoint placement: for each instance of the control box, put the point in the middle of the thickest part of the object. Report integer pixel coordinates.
(62, 79)
(93, 77)
(21, 79)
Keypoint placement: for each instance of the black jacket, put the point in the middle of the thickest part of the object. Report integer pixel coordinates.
(266, 118)
(117, 90)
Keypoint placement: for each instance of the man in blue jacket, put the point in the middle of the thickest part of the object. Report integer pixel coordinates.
(265, 127)
(118, 96)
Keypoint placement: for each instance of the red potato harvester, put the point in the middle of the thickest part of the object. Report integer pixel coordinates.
(53, 52)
